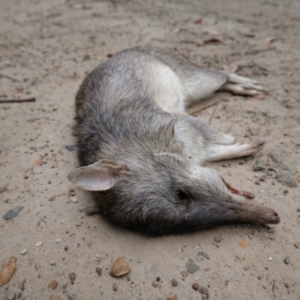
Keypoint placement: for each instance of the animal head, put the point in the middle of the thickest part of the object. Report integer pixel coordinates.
(163, 194)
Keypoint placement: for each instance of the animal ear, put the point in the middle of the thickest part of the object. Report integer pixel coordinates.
(100, 176)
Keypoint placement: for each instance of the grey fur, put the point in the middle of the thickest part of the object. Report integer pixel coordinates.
(149, 160)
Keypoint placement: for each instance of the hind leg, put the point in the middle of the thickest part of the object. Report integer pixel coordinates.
(210, 134)
(202, 83)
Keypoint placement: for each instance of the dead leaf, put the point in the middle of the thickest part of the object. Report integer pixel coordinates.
(8, 271)
(269, 40)
(243, 243)
(212, 40)
(298, 178)
(199, 21)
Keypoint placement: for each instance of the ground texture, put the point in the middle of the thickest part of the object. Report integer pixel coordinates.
(46, 49)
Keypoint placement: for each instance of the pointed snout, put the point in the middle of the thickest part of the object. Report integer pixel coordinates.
(268, 216)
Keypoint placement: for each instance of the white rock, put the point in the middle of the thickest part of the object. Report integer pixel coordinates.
(74, 200)
(38, 244)
(270, 258)
(23, 251)
(58, 241)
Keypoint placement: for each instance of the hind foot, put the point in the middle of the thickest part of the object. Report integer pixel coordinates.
(220, 152)
(240, 85)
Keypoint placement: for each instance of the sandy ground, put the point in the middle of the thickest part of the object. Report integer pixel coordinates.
(46, 49)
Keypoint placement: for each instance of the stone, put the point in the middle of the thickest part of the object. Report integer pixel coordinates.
(72, 277)
(120, 267)
(286, 261)
(204, 254)
(192, 267)
(172, 297)
(174, 282)
(73, 147)
(288, 179)
(195, 286)
(3, 189)
(53, 284)
(39, 244)
(99, 271)
(259, 165)
(13, 213)
(8, 271)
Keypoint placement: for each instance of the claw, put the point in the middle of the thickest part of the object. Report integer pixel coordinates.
(243, 193)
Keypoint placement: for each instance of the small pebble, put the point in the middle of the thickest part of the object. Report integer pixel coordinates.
(191, 267)
(71, 192)
(23, 251)
(298, 209)
(120, 267)
(53, 284)
(155, 283)
(26, 176)
(13, 213)
(270, 258)
(115, 287)
(52, 198)
(74, 199)
(3, 189)
(204, 254)
(262, 178)
(218, 239)
(286, 261)
(33, 119)
(99, 271)
(287, 285)
(66, 248)
(128, 278)
(285, 192)
(257, 181)
(73, 147)
(297, 245)
(158, 279)
(184, 274)
(172, 297)
(195, 286)
(38, 244)
(174, 282)
(52, 263)
(22, 287)
(72, 276)
(58, 241)
(246, 268)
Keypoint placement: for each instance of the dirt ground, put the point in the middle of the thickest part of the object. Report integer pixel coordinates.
(46, 49)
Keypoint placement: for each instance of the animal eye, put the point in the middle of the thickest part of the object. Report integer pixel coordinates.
(181, 195)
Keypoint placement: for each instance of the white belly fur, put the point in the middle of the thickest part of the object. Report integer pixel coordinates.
(166, 88)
